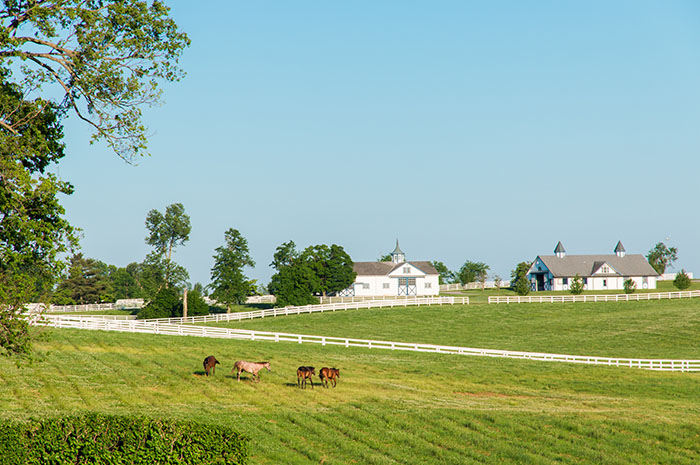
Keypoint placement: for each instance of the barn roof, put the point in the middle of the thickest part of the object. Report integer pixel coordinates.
(384, 268)
(586, 265)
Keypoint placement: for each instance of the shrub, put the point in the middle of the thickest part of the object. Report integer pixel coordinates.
(682, 280)
(164, 305)
(576, 287)
(629, 285)
(522, 287)
(195, 304)
(106, 439)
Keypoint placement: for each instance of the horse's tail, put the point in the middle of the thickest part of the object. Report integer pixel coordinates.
(216, 361)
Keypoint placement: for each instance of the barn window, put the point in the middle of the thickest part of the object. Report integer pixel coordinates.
(428, 285)
(565, 281)
(385, 285)
(365, 285)
(406, 269)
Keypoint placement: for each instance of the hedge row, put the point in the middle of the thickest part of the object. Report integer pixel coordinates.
(118, 440)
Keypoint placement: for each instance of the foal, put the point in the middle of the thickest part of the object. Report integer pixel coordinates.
(329, 374)
(304, 373)
(210, 364)
(251, 367)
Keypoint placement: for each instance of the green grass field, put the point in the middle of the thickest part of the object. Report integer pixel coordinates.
(647, 329)
(399, 407)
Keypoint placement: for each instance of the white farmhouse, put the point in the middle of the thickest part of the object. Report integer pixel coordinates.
(395, 278)
(598, 272)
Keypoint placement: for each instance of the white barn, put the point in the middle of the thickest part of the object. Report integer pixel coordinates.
(394, 278)
(598, 272)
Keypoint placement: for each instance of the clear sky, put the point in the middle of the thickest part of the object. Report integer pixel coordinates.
(483, 131)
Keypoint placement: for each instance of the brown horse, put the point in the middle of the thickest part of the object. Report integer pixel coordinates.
(329, 374)
(210, 364)
(304, 373)
(251, 367)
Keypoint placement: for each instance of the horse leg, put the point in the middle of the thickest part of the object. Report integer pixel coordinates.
(238, 375)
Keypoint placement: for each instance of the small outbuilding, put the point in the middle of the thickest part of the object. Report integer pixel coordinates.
(598, 272)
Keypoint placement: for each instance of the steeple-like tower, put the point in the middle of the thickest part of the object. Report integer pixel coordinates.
(559, 250)
(620, 249)
(397, 256)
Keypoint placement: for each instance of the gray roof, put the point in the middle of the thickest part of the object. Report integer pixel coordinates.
(384, 268)
(559, 248)
(619, 247)
(586, 265)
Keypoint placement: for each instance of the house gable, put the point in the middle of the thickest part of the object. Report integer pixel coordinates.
(406, 270)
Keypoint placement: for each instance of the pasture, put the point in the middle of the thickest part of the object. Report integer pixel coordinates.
(398, 407)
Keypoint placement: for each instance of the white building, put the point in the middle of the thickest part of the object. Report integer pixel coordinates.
(395, 278)
(598, 272)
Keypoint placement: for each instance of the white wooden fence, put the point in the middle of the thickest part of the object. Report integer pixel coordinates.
(502, 299)
(283, 311)
(159, 327)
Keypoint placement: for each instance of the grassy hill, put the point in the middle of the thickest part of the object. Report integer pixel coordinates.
(393, 407)
(647, 329)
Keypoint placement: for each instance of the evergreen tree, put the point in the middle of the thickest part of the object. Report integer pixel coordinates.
(230, 286)
(682, 280)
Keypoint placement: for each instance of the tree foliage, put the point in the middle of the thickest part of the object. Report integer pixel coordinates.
(472, 271)
(87, 281)
(661, 257)
(319, 269)
(576, 286)
(629, 286)
(446, 276)
(33, 231)
(102, 59)
(230, 286)
(165, 232)
(518, 278)
(682, 280)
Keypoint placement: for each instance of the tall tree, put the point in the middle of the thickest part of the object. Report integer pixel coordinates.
(284, 255)
(661, 257)
(518, 278)
(102, 60)
(472, 271)
(33, 231)
(446, 276)
(230, 285)
(332, 266)
(167, 231)
(87, 280)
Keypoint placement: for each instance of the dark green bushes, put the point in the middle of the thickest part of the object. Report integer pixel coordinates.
(116, 440)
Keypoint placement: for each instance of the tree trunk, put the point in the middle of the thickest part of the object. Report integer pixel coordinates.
(228, 308)
(184, 304)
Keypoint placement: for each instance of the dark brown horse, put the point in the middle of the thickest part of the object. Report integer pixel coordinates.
(210, 364)
(304, 373)
(329, 374)
(251, 367)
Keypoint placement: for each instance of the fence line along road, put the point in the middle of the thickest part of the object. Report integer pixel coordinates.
(159, 327)
(529, 299)
(283, 311)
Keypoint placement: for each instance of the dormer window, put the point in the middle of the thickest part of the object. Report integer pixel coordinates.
(406, 270)
(605, 269)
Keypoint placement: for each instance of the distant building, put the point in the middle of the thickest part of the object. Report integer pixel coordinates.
(394, 278)
(598, 272)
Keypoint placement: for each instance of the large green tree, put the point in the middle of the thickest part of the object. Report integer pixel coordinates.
(446, 276)
(33, 231)
(87, 281)
(332, 266)
(167, 231)
(229, 285)
(100, 60)
(472, 271)
(661, 257)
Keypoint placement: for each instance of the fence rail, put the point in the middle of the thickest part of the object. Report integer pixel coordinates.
(283, 311)
(501, 299)
(159, 327)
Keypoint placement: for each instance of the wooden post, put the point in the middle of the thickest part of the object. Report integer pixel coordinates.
(184, 304)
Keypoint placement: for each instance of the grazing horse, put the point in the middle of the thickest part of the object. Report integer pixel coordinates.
(329, 374)
(251, 367)
(304, 373)
(210, 364)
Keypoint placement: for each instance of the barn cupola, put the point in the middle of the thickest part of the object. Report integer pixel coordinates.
(559, 250)
(620, 249)
(397, 256)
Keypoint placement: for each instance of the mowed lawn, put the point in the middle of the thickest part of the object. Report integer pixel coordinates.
(648, 329)
(389, 407)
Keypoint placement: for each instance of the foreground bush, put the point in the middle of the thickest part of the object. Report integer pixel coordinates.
(105, 439)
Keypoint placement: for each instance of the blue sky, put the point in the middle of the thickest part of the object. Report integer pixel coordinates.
(483, 131)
